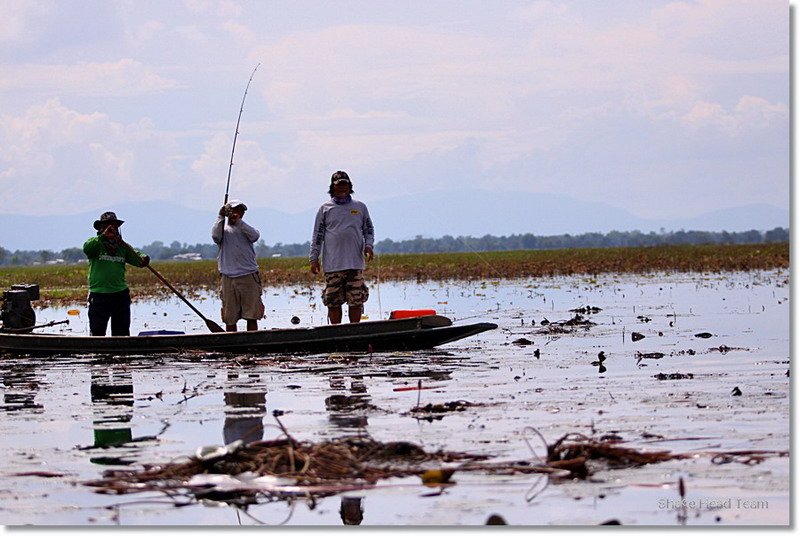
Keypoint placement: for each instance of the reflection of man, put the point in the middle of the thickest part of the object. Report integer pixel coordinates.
(348, 412)
(112, 400)
(244, 415)
(348, 415)
(352, 511)
(21, 387)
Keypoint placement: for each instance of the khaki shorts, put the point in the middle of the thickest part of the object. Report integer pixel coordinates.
(345, 287)
(241, 298)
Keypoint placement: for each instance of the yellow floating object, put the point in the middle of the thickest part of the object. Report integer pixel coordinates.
(73, 312)
(437, 476)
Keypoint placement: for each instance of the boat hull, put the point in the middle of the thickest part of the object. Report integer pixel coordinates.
(378, 336)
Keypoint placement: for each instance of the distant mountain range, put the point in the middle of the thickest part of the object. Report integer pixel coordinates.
(462, 213)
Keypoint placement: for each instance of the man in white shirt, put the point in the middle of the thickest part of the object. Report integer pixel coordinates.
(240, 288)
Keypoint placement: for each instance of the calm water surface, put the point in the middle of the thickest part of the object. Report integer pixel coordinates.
(65, 420)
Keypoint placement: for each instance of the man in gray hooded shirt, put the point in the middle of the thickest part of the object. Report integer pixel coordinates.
(240, 288)
(343, 235)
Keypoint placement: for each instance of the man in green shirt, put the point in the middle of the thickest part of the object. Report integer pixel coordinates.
(109, 295)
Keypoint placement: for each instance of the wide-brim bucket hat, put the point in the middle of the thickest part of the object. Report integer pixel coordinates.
(107, 218)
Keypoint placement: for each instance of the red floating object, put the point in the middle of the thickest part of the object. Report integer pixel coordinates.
(410, 313)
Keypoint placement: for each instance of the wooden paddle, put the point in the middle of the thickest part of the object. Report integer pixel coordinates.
(213, 326)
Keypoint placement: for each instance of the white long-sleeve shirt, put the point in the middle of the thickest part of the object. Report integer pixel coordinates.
(341, 232)
(237, 256)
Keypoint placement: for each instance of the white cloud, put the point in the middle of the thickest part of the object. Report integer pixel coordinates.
(241, 32)
(144, 33)
(192, 35)
(18, 18)
(252, 176)
(586, 98)
(541, 11)
(221, 8)
(125, 77)
(750, 114)
(56, 153)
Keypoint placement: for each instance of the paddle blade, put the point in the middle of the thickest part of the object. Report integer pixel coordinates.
(213, 326)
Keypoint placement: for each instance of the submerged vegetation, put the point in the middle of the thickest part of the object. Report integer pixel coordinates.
(68, 283)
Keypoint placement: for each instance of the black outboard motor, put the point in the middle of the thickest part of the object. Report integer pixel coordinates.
(16, 313)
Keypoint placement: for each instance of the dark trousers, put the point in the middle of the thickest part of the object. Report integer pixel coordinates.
(115, 306)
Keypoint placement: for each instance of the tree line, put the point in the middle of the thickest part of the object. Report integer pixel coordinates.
(159, 251)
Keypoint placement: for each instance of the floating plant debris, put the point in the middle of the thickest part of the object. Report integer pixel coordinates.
(586, 310)
(287, 467)
(457, 405)
(674, 376)
(564, 326)
(649, 355)
(305, 463)
(432, 412)
(573, 451)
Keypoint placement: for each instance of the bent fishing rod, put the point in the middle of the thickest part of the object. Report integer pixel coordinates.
(236, 134)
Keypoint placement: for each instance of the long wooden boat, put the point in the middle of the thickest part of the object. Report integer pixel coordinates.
(375, 336)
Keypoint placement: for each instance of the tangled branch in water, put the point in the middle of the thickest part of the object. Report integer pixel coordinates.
(348, 460)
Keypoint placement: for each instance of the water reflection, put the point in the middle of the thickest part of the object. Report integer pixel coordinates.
(20, 387)
(347, 413)
(112, 403)
(352, 510)
(482, 373)
(244, 408)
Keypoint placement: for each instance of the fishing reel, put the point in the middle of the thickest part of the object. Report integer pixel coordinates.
(16, 312)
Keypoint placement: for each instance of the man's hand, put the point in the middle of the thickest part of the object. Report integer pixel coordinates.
(314, 268)
(222, 211)
(145, 261)
(235, 215)
(111, 231)
(368, 253)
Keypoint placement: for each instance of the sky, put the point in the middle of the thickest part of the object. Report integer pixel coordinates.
(668, 109)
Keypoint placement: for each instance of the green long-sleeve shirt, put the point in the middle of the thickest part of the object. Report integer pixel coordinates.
(106, 271)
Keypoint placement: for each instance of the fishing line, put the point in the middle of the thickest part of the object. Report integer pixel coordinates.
(487, 263)
(488, 312)
(493, 269)
(378, 288)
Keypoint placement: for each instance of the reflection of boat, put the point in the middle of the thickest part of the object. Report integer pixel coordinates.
(380, 336)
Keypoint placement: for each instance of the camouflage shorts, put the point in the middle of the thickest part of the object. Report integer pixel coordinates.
(345, 287)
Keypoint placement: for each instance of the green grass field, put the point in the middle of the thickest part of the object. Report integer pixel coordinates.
(67, 284)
